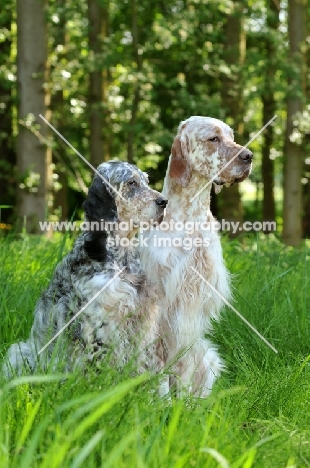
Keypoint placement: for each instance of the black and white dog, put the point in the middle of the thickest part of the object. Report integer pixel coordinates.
(102, 277)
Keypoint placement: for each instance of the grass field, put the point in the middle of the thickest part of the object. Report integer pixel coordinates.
(258, 414)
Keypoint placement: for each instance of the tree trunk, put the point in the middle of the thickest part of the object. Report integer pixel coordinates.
(306, 187)
(292, 211)
(7, 153)
(33, 158)
(60, 195)
(232, 98)
(98, 84)
(136, 93)
(269, 110)
(306, 199)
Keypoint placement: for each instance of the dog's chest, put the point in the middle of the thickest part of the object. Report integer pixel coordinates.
(193, 280)
(108, 319)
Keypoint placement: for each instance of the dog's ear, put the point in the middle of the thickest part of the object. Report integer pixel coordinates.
(180, 169)
(100, 203)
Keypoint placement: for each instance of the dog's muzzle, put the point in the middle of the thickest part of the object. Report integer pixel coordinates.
(246, 156)
(162, 202)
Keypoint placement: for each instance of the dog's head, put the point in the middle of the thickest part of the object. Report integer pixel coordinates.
(120, 192)
(206, 146)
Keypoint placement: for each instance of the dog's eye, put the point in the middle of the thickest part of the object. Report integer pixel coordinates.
(133, 183)
(214, 139)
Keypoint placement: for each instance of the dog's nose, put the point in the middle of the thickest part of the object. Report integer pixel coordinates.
(246, 155)
(161, 202)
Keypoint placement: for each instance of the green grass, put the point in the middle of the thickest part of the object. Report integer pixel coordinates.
(257, 415)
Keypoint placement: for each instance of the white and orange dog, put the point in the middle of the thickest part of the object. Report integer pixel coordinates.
(191, 298)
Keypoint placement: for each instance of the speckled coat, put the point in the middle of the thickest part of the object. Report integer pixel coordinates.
(203, 152)
(120, 323)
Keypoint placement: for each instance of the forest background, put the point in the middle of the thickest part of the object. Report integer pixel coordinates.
(115, 78)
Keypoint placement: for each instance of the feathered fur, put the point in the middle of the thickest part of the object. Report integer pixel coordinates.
(121, 321)
(201, 149)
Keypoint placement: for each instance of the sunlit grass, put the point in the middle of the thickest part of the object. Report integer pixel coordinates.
(256, 416)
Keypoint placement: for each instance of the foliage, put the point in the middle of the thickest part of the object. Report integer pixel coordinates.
(177, 65)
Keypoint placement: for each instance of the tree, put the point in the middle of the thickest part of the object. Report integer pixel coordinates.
(33, 158)
(269, 109)
(7, 152)
(136, 93)
(293, 163)
(98, 82)
(306, 125)
(306, 198)
(232, 98)
(60, 186)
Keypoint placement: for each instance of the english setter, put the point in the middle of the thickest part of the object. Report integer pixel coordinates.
(200, 152)
(123, 315)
